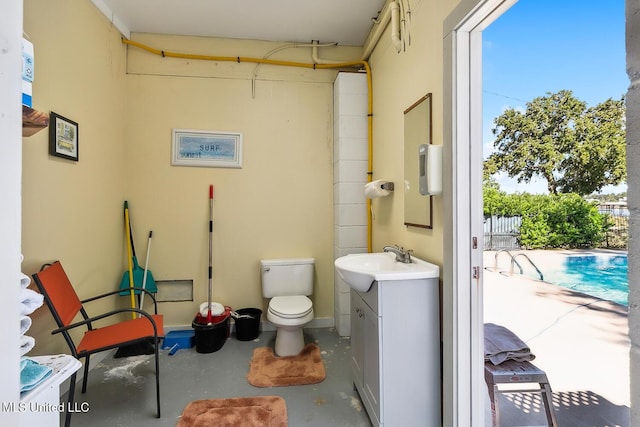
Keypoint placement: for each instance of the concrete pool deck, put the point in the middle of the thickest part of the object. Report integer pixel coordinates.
(581, 342)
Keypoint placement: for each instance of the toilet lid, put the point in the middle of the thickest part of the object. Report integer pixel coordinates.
(291, 306)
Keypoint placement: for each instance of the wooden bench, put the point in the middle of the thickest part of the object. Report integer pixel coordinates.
(514, 372)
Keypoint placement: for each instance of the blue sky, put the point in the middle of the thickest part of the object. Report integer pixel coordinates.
(541, 46)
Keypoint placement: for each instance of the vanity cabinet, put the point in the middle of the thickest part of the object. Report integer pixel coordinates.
(364, 359)
(395, 344)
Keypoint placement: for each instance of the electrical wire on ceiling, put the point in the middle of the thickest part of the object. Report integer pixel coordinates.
(313, 45)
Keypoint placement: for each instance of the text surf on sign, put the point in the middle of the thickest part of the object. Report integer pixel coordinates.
(207, 147)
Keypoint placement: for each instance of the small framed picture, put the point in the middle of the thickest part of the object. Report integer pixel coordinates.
(206, 148)
(63, 137)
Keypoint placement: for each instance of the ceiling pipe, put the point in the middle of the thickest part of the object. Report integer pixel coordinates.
(278, 49)
(314, 53)
(395, 26)
(406, 22)
(380, 24)
(405, 14)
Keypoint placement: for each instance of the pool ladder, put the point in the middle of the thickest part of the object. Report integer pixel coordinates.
(515, 262)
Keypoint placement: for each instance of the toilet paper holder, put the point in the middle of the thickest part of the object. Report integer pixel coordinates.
(378, 188)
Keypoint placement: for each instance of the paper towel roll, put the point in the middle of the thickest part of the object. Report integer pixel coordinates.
(374, 189)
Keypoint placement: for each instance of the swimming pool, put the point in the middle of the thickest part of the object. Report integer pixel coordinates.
(599, 275)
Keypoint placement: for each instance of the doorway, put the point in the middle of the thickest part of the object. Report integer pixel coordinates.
(463, 249)
(463, 353)
(522, 62)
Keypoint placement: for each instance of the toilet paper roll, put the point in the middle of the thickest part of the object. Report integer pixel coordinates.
(374, 189)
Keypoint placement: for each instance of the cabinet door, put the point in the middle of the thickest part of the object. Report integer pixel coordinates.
(372, 359)
(357, 338)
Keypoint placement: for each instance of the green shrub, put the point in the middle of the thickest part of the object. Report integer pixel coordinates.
(534, 231)
(550, 221)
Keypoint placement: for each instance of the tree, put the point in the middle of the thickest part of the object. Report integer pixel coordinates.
(574, 148)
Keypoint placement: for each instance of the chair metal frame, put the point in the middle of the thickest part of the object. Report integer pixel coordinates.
(65, 326)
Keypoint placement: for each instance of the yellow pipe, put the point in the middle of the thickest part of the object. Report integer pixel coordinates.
(239, 59)
(370, 165)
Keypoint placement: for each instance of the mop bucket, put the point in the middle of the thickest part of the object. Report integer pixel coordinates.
(211, 338)
(247, 323)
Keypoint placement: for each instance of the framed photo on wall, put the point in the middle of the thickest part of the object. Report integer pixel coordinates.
(63, 137)
(206, 148)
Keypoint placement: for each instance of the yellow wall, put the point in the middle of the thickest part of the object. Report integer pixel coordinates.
(126, 101)
(399, 80)
(72, 211)
(278, 205)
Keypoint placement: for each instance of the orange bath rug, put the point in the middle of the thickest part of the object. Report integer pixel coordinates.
(267, 370)
(263, 411)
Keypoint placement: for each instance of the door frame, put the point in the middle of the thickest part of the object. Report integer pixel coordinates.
(463, 343)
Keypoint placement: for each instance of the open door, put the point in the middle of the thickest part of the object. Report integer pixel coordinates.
(463, 344)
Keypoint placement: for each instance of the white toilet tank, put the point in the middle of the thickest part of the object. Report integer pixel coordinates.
(284, 277)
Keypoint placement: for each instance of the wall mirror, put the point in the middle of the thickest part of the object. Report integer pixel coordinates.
(417, 131)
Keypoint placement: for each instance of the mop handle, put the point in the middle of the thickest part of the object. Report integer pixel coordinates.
(146, 270)
(209, 318)
(210, 234)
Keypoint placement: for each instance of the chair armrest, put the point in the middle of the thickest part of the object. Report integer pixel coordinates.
(153, 298)
(108, 314)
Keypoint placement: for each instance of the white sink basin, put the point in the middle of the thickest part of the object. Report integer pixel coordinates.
(361, 270)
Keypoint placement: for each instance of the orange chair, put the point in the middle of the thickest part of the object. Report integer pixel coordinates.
(62, 300)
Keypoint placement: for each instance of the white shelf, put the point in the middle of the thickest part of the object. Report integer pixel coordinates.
(41, 405)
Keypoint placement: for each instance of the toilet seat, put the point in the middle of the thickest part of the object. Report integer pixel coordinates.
(290, 307)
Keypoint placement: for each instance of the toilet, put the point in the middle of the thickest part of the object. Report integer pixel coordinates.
(288, 283)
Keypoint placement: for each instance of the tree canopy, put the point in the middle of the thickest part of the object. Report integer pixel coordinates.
(575, 148)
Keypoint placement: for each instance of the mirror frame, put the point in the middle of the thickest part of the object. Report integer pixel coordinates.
(411, 147)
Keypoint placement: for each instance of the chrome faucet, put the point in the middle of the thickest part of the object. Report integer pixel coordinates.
(401, 254)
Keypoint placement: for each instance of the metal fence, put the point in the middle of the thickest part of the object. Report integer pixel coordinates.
(617, 228)
(502, 232)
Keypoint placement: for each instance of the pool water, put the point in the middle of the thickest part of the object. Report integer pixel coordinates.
(602, 276)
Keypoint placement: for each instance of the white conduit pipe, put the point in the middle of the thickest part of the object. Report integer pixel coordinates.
(278, 49)
(407, 22)
(395, 26)
(314, 54)
(376, 33)
(402, 25)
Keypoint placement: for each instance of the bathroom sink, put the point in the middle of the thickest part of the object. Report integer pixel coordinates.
(361, 270)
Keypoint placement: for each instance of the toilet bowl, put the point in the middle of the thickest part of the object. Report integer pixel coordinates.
(288, 283)
(289, 314)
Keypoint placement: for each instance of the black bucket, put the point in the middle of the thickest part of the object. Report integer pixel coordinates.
(247, 328)
(210, 338)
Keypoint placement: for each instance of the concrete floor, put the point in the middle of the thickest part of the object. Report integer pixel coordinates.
(121, 392)
(580, 342)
